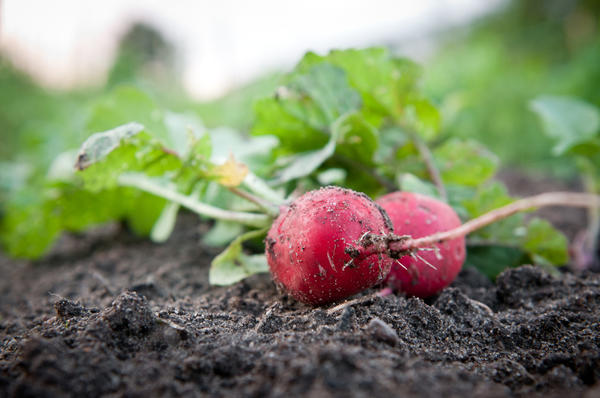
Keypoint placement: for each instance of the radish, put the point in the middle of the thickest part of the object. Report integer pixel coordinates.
(427, 271)
(308, 245)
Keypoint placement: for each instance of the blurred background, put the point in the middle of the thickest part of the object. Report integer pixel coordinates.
(483, 62)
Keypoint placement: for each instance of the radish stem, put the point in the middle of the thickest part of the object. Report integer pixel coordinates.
(268, 207)
(260, 188)
(593, 229)
(144, 183)
(570, 199)
(432, 169)
(397, 246)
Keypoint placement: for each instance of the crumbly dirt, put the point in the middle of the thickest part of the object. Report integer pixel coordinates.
(107, 314)
(111, 315)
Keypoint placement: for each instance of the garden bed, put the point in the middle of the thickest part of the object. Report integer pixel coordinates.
(109, 314)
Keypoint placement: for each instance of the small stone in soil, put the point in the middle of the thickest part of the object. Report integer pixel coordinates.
(68, 309)
(382, 331)
(130, 313)
(347, 320)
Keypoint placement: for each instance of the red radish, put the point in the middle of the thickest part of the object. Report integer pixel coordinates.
(427, 271)
(307, 245)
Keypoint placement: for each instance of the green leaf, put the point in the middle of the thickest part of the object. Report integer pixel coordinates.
(163, 227)
(105, 156)
(382, 80)
(320, 96)
(457, 195)
(378, 90)
(305, 163)
(123, 105)
(537, 239)
(465, 163)
(28, 231)
(302, 113)
(222, 233)
(31, 225)
(569, 121)
(589, 149)
(255, 152)
(294, 135)
(356, 138)
(491, 260)
(351, 137)
(141, 211)
(14, 176)
(488, 197)
(390, 140)
(79, 209)
(182, 129)
(544, 243)
(197, 161)
(387, 85)
(99, 145)
(541, 244)
(508, 231)
(423, 117)
(61, 168)
(335, 176)
(411, 183)
(94, 195)
(230, 271)
(232, 265)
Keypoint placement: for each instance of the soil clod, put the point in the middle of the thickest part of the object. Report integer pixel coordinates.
(382, 331)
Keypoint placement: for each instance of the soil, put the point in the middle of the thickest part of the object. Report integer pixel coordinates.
(107, 314)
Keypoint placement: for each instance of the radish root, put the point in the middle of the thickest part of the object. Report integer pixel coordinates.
(398, 246)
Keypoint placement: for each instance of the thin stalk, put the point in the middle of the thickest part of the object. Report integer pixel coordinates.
(349, 303)
(263, 204)
(259, 187)
(593, 229)
(432, 169)
(593, 232)
(397, 246)
(146, 184)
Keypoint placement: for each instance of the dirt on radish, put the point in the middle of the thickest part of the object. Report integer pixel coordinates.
(428, 271)
(307, 245)
(108, 314)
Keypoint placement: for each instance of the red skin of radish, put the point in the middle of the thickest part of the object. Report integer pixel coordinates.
(306, 245)
(418, 216)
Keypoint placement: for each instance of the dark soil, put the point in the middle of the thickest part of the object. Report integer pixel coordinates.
(109, 314)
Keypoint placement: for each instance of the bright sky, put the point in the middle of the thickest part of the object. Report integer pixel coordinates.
(220, 43)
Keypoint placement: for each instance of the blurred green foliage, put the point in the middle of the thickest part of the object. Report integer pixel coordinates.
(348, 118)
(41, 129)
(35, 124)
(484, 75)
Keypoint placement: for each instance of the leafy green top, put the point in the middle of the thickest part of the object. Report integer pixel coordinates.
(355, 118)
